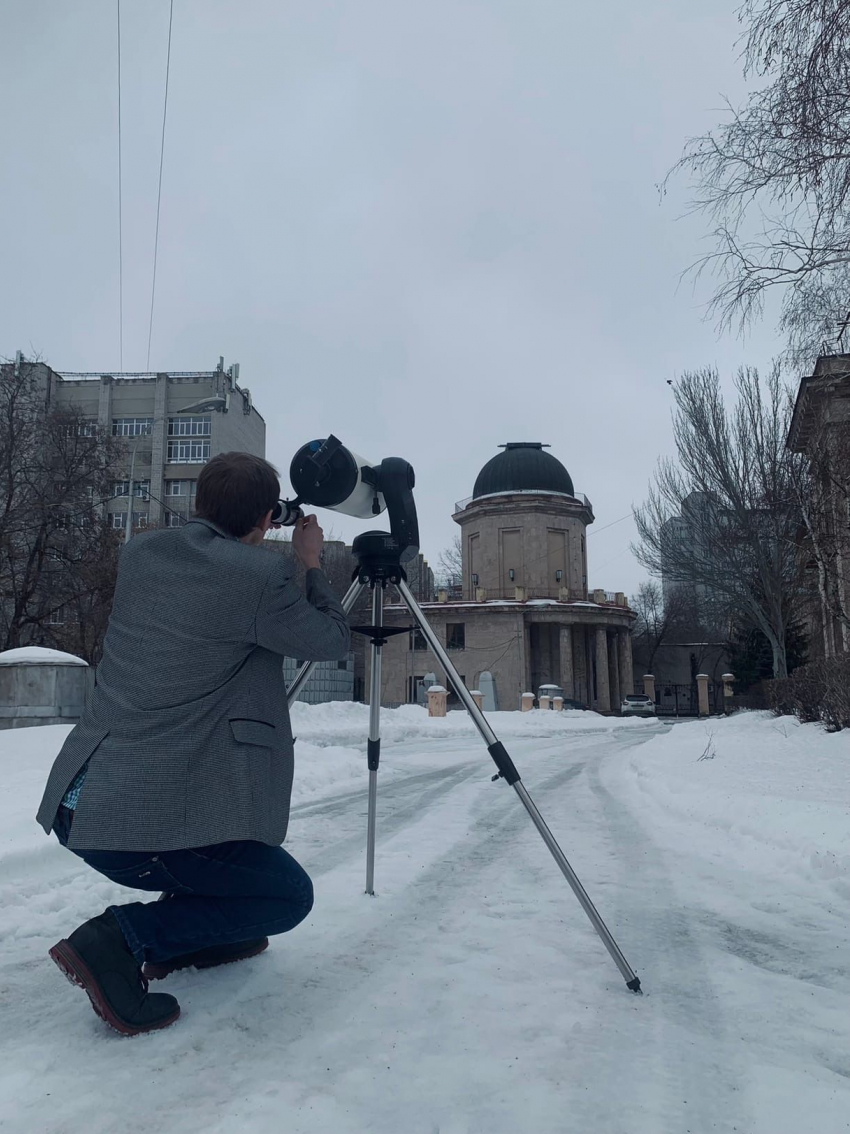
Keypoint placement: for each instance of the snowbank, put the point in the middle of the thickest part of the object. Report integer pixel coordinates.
(39, 655)
(771, 792)
(346, 722)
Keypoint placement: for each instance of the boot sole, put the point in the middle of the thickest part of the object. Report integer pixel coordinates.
(73, 967)
(154, 971)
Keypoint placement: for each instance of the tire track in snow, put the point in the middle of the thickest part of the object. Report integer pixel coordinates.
(681, 1005)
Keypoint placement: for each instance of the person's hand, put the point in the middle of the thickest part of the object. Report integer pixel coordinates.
(307, 542)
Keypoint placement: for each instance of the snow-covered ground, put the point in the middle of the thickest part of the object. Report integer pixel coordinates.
(471, 996)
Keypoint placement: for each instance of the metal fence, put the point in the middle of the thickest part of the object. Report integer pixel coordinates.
(682, 700)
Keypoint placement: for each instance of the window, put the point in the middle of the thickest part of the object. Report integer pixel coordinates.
(173, 520)
(188, 452)
(176, 487)
(342, 664)
(140, 519)
(455, 636)
(131, 426)
(141, 488)
(116, 520)
(83, 429)
(189, 426)
(57, 617)
(417, 640)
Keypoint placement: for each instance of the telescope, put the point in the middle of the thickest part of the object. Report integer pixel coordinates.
(325, 474)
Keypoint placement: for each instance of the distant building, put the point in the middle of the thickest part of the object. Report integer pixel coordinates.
(525, 615)
(698, 524)
(170, 445)
(820, 429)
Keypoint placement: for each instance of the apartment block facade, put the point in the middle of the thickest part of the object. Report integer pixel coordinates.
(171, 423)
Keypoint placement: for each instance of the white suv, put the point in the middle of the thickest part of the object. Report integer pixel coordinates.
(637, 705)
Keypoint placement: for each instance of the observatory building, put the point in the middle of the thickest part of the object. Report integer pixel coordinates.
(523, 614)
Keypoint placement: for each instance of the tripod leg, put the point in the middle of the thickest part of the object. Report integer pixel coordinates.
(373, 745)
(508, 771)
(303, 674)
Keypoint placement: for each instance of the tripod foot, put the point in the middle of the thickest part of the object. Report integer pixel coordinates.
(634, 986)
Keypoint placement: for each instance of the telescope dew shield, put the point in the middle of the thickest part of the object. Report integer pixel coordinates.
(325, 474)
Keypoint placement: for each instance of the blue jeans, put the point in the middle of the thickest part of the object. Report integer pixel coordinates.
(219, 895)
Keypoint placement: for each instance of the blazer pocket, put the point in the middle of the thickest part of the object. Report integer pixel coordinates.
(253, 732)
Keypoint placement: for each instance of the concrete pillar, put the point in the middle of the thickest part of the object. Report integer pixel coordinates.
(478, 697)
(527, 702)
(437, 696)
(567, 675)
(624, 646)
(589, 647)
(543, 702)
(702, 693)
(614, 671)
(603, 694)
(558, 704)
(649, 686)
(728, 691)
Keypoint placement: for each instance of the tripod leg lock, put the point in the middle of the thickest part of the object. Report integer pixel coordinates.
(373, 754)
(504, 763)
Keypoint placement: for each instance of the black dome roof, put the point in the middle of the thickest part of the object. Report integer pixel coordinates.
(523, 465)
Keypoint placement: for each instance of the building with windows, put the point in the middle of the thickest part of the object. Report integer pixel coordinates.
(171, 423)
(820, 431)
(525, 615)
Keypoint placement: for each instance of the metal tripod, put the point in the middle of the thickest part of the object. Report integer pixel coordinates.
(376, 571)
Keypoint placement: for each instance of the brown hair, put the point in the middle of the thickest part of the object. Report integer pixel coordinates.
(235, 490)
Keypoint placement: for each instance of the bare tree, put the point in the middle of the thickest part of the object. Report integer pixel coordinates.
(450, 564)
(56, 554)
(657, 620)
(723, 518)
(774, 178)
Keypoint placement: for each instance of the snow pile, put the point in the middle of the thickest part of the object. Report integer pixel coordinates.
(347, 722)
(765, 790)
(39, 655)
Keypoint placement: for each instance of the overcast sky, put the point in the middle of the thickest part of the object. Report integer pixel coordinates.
(427, 227)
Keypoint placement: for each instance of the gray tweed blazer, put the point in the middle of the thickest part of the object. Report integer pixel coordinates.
(187, 733)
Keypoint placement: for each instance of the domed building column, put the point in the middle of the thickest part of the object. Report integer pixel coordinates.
(614, 672)
(627, 680)
(603, 688)
(566, 643)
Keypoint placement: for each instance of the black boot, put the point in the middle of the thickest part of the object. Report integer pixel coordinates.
(96, 958)
(206, 958)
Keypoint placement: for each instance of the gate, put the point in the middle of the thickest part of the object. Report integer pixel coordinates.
(682, 700)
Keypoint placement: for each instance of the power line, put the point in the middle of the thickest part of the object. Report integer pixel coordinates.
(159, 191)
(596, 531)
(120, 211)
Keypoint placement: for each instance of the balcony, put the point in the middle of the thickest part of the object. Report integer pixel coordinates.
(576, 498)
